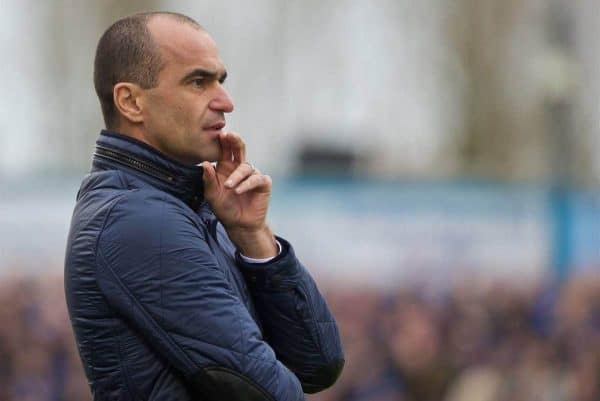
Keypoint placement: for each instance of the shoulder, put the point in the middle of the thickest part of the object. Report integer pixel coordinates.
(148, 218)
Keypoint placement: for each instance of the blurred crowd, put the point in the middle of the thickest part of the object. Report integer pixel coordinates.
(38, 358)
(471, 342)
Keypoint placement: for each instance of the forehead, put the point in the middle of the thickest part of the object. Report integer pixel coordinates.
(184, 46)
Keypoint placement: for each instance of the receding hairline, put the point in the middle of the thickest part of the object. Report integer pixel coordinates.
(157, 22)
(181, 18)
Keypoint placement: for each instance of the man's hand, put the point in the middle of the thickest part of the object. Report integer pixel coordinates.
(239, 195)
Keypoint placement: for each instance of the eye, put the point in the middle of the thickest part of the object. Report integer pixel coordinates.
(198, 81)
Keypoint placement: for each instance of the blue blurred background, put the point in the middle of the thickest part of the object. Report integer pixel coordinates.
(436, 166)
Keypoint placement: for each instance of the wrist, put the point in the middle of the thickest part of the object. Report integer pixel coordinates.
(256, 243)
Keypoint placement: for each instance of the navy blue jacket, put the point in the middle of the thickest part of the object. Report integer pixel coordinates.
(162, 305)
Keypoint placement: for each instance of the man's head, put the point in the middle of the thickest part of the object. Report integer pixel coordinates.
(159, 79)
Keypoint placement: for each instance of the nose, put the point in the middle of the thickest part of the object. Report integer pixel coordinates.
(221, 101)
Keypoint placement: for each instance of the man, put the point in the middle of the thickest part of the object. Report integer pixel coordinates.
(176, 287)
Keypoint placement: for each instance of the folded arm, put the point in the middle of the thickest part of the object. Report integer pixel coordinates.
(295, 318)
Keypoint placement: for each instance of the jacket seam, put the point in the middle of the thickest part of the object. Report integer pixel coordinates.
(123, 178)
(127, 380)
(93, 350)
(109, 211)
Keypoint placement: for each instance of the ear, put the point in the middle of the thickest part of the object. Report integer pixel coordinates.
(127, 100)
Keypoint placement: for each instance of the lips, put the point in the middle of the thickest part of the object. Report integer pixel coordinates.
(217, 126)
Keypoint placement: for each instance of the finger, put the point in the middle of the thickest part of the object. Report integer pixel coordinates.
(226, 154)
(238, 147)
(255, 181)
(242, 171)
(209, 178)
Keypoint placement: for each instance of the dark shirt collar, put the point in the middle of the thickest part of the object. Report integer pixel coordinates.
(121, 152)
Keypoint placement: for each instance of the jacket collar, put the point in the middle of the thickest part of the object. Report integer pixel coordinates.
(121, 152)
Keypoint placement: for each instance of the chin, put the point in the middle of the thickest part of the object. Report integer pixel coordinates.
(213, 154)
(215, 158)
(208, 157)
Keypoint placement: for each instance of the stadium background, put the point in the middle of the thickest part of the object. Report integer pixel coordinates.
(436, 165)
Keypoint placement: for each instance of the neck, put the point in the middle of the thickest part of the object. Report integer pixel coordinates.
(134, 131)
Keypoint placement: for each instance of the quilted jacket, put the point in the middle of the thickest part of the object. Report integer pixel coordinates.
(162, 305)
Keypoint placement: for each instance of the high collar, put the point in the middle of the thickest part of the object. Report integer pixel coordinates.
(121, 152)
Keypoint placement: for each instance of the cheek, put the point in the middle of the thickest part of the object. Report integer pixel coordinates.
(172, 117)
(157, 111)
(182, 115)
(183, 112)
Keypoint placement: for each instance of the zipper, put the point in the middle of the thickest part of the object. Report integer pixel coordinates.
(135, 163)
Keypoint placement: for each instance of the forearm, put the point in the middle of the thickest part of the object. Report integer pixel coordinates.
(296, 320)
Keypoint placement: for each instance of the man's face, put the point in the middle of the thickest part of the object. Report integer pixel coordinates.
(185, 112)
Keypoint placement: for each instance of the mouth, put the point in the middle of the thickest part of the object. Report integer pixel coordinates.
(215, 127)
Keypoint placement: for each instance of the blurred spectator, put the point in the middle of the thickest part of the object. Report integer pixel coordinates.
(39, 361)
(473, 342)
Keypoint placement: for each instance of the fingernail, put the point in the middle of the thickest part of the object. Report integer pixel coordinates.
(228, 183)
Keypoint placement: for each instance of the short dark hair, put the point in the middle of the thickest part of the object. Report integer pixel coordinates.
(126, 52)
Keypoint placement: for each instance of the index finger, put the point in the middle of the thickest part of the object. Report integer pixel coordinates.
(238, 147)
(226, 154)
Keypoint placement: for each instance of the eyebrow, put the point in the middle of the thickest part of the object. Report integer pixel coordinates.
(200, 72)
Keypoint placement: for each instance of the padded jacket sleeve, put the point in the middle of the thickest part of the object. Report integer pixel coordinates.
(295, 318)
(156, 270)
